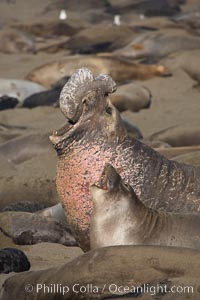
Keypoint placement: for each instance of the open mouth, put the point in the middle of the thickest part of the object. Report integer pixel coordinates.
(64, 132)
(60, 134)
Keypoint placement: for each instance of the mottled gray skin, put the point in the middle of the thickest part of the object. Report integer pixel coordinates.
(99, 137)
(120, 218)
(31, 228)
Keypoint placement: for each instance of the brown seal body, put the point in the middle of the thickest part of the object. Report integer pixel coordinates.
(94, 135)
(121, 70)
(187, 134)
(192, 158)
(15, 41)
(124, 266)
(120, 218)
(158, 44)
(32, 228)
(131, 97)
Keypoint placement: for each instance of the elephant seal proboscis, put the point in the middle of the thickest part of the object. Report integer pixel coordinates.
(120, 218)
(94, 134)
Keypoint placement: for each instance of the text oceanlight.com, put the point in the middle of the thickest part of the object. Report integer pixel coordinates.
(111, 288)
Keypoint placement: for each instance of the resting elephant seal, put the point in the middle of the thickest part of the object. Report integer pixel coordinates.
(147, 8)
(93, 135)
(94, 39)
(120, 218)
(15, 41)
(31, 228)
(158, 44)
(7, 102)
(121, 70)
(192, 158)
(187, 134)
(189, 20)
(13, 260)
(131, 97)
(19, 89)
(113, 272)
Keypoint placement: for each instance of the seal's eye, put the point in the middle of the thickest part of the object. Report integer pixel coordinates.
(109, 110)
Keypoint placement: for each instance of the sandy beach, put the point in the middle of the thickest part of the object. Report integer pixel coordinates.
(32, 36)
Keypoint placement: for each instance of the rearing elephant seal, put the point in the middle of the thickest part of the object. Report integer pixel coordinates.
(94, 134)
(120, 218)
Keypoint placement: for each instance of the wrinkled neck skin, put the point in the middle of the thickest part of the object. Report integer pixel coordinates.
(159, 183)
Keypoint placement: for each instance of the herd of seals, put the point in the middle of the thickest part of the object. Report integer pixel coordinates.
(122, 180)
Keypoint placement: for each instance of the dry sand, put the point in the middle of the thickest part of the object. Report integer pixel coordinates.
(174, 101)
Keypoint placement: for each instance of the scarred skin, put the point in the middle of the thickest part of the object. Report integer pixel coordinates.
(97, 137)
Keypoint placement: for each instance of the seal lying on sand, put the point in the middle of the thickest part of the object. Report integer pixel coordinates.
(120, 218)
(121, 70)
(192, 158)
(47, 97)
(132, 96)
(15, 41)
(31, 228)
(7, 102)
(187, 134)
(93, 135)
(147, 7)
(115, 271)
(13, 260)
(189, 20)
(188, 61)
(159, 44)
(19, 89)
(94, 39)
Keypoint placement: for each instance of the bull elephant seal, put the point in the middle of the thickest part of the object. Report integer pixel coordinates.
(94, 135)
(120, 218)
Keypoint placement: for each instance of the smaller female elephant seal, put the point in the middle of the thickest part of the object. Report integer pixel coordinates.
(120, 218)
